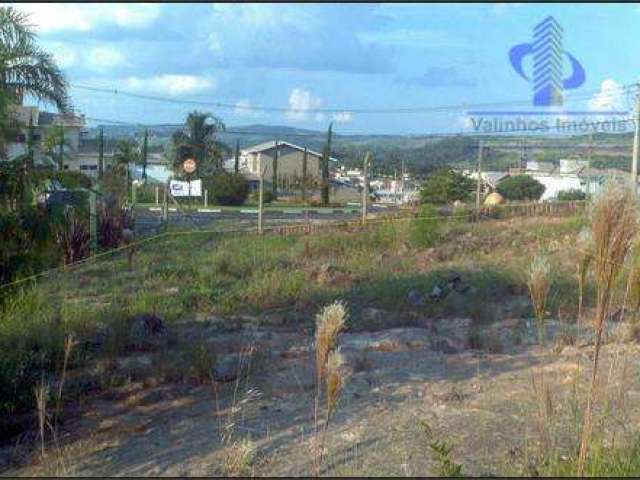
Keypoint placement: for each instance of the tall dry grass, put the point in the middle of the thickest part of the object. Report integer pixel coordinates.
(539, 283)
(584, 252)
(614, 219)
(329, 374)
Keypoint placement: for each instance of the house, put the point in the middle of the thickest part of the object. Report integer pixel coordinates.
(290, 160)
(31, 118)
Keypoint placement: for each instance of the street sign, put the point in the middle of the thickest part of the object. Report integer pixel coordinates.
(189, 165)
(186, 189)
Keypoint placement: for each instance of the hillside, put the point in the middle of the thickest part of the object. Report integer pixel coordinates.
(420, 153)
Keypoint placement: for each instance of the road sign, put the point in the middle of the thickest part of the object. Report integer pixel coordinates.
(189, 165)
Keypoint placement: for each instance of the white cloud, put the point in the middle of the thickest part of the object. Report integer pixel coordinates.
(64, 54)
(343, 117)
(104, 57)
(610, 97)
(243, 108)
(169, 84)
(85, 17)
(300, 103)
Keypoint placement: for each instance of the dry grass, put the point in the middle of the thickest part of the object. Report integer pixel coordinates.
(613, 225)
(539, 286)
(329, 323)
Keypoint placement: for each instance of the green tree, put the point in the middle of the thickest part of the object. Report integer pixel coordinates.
(227, 188)
(127, 153)
(25, 68)
(144, 154)
(198, 141)
(56, 145)
(571, 194)
(447, 186)
(521, 187)
(324, 191)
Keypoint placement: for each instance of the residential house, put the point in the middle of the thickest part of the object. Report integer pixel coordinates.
(30, 117)
(290, 160)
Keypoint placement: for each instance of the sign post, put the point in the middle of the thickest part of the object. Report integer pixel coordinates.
(189, 166)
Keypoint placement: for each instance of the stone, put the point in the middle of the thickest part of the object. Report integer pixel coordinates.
(229, 368)
(447, 346)
(415, 299)
(148, 330)
(437, 293)
(391, 340)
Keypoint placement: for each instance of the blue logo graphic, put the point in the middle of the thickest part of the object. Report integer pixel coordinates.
(548, 58)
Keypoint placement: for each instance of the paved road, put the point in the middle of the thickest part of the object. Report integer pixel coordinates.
(148, 218)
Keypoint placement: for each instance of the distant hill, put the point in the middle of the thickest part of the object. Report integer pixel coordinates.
(420, 153)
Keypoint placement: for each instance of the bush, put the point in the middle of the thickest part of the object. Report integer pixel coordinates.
(521, 187)
(72, 180)
(571, 194)
(425, 229)
(27, 244)
(267, 197)
(227, 188)
(447, 186)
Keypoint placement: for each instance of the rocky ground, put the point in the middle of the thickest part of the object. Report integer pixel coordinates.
(473, 386)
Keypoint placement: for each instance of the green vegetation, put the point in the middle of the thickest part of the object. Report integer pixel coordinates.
(571, 194)
(198, 141)
(219, 275)
(447, 186)
(521, 187)
(227, 188)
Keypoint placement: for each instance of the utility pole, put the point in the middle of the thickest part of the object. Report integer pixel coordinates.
(479, 179)
(260, 194)
(324, 193)
(145, 148)
(589, 165)
(395, 185)
(365, 186)
(274, 185)
(636, 141)
(101, 154)
(402, 183)
(236, 164)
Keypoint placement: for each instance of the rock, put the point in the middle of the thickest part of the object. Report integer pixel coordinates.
(231, 367)
(415, 299)
(447, 345)
(437, 293)
(391, 340)
(147, 330)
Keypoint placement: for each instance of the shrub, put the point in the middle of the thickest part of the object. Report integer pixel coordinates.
(571, 194)
(425, 229)
(447, 186)
(71, 180)
(227, 188)
(267, 197)
(521, 187)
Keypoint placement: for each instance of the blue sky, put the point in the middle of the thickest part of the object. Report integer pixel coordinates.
(327, 56)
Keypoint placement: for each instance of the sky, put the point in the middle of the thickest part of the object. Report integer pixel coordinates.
(305, 59)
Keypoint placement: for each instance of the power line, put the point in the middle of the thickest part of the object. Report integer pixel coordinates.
(397, 110)
(536, 131)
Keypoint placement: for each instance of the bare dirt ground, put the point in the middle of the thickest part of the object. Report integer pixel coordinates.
(482, 403)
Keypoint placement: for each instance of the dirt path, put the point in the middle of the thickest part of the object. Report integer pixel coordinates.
(483, 404)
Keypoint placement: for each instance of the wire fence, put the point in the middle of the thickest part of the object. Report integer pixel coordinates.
(307, 226)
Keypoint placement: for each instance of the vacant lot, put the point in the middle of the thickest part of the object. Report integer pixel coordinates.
(224, 382)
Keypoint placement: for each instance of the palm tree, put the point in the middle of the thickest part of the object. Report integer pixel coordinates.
(198, 141)
(126, 153)
(56, 144)
(25, 68)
